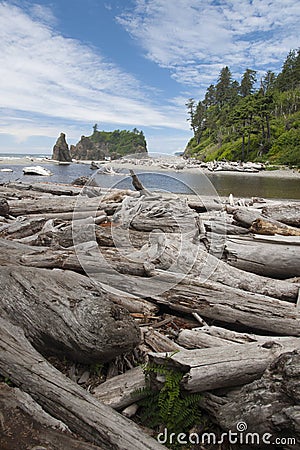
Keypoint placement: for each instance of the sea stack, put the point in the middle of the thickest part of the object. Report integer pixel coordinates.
(61, 150)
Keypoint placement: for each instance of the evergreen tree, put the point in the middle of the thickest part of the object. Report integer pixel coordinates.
(247, 83)
(289, 78)
(210, 96)
(191, 108)
(268, 82)
(224, 87)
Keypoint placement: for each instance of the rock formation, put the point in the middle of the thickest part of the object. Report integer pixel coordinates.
(114, 144)
(87, 149)
(61, 150)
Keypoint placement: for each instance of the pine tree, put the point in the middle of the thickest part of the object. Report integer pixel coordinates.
(223, 87)
(247, 83)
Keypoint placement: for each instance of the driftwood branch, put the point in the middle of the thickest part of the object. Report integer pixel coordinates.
(65, 400)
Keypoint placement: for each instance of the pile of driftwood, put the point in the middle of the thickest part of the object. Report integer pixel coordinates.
(207, 286)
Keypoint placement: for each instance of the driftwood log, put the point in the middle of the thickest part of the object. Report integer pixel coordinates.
(267, 405)
(122, 390)
(24, 424)
(270, 259)
(268, 226)
(65, 400)
(212, 300)
(286, 213)
(63, 313)
(212, 336)
(226, 366)
(258, 223)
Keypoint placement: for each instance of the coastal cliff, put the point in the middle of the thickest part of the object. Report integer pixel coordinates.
(115, 144)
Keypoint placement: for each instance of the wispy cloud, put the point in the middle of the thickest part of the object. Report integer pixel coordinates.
(44, 73)
(194, 38)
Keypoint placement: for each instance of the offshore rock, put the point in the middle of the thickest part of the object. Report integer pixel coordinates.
(61, 150)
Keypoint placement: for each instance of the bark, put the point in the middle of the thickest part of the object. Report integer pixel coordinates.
(26, 425)
(226, 366)
(64, 399)
(268, 226)
(75, 319)
(267, 405)
(258, 257)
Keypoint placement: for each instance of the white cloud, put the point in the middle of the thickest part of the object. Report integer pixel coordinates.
(193, 38)
(44, 73)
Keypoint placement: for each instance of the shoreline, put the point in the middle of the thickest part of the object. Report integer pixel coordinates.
(154, 165)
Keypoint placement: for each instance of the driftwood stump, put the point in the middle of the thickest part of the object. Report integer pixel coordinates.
(63, 313)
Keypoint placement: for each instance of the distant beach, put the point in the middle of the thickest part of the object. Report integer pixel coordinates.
(156, 164)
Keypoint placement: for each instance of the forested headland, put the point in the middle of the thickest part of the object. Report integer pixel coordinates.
(115, 144)
(251, 120)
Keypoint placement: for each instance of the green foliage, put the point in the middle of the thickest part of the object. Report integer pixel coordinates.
(170, 407)
(237, 122)
(96, 369)
(121, 142)
(286, 149)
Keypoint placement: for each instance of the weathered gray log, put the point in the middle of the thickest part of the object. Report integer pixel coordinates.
(122, 390)
(64, 313)
(212, 336)
(288, 213)
(263, 258)
(111, 259)
(255, 220)
(246, 216)
(131, 302)
(22, 227)
(50, 188)
(26, 425)
(206, 205)
(268, 406)
(149, 212)
(188, 257)
(64, 399)
(226, 366)
(159, 342)
(76, 215)
(224, 228)
(55, 204)
(212, 301)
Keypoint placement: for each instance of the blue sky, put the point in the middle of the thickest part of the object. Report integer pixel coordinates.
(68, 64)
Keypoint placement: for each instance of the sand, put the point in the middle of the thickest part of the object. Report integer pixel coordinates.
(154, 165)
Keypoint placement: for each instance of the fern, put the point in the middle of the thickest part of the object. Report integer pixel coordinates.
(169, 407)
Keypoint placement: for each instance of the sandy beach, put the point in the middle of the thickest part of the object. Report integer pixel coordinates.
(157, 165)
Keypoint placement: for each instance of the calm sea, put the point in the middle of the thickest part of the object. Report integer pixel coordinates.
(223, 184)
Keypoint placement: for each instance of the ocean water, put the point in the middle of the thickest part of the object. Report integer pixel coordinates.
(206, 184)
